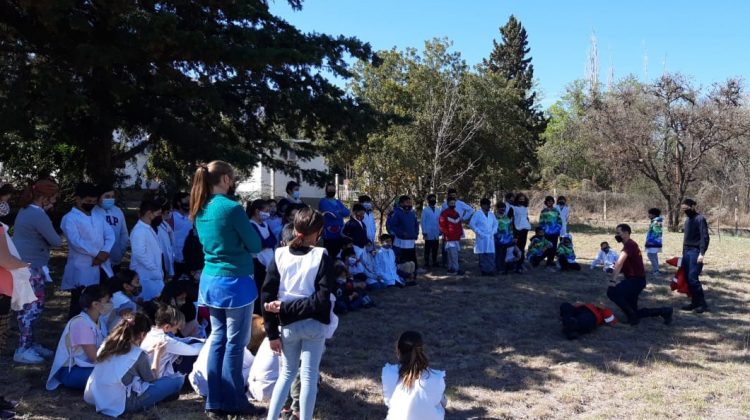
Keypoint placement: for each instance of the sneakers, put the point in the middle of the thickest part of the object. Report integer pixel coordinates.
(689, 307)
(28, 357)
(699, 309)
(43, 351)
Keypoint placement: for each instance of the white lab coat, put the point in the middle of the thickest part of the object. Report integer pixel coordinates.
(115, 218)
(105, 389)
(521, 218)
(182, 226)
(174, 350)
(146, 260)
(263, 373)
(430, 223)
(484, 226)
(87, 235)
(385, 267)
(423, 401)
(463, 209)
(564, 212)
(370, 226)
(167, 244)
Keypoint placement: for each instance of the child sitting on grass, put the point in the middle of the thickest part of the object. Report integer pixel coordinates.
(348, 298)
(566, 255)
(540, 248)
(387, 272)
(411, 389)
(168, 322)
(607, 257)
(513, 258)
(125, 379)
(126, 287)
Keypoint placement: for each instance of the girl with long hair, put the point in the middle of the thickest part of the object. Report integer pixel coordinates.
(226, 286)
(125, 379)
(297, 311)
(411, 389)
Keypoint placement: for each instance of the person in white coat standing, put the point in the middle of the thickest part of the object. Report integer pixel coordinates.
(146, 255)
(484, 225)
(115, 218)
(411, 390)
(90, 242)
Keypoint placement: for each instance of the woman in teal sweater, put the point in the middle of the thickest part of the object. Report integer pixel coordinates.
(226, 287)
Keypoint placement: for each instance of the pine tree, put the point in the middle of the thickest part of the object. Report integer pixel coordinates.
(510, 59)
(225, 79)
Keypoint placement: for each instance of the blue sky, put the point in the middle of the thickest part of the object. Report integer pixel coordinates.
(705, 40)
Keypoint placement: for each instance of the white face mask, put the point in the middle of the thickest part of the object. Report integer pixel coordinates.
(4, 208)
(367, 205)
(264, 215)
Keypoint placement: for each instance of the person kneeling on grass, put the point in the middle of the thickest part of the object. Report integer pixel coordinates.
(180, 354)
(411, 390)
(607, 257)
(540, 248)
(625, 293)
(566, 255)
(124, 379)
(583, 318)
(388, 273)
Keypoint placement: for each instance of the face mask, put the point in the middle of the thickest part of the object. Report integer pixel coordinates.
(432, 202)
(156, 222)
(406, 208)
(137, 290)
(690, 212)
(387, 246)
(264, 215)
(605, 250)
(295, 195)
(561, 204)
(352, 260)
(87, 207)
(106, 308)
(618, 238)
(108, 203)
(367, 205)
(179, 302)
(48, 207)
(451, 206)
(330, 194)
(4, 209)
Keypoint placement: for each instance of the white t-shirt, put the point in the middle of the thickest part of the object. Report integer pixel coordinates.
(424, 401)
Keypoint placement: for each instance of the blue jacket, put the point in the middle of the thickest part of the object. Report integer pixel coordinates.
(334, 212)
(404, 224)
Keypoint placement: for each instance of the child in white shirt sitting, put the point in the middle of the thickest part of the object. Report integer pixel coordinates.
(168, 321)
(411, 389)
(387, 272)
(607, 257)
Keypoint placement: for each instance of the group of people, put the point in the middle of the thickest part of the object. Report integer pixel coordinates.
(207, 274)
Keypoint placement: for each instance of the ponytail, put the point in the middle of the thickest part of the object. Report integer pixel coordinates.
(206, 176)
(123, 336)
(42, 188)
(411, 357)
(307, 222)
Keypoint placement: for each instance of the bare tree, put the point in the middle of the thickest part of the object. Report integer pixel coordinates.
(666, 131)
(453, 124)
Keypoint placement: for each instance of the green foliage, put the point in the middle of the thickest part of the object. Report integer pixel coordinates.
(219, 80)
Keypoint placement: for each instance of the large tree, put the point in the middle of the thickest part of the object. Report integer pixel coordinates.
(510, 60)
(667, 130)
(105, 81)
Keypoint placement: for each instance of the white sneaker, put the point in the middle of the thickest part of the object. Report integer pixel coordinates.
(28, 357)
(43, 351)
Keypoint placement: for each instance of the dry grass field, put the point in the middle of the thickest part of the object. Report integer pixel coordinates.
(499, 340)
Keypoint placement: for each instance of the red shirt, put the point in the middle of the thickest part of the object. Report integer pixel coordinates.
(633, 266)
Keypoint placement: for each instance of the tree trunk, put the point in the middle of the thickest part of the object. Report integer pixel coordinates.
(99, 168)
(674, 215)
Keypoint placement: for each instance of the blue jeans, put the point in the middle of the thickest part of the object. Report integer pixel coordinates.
(693, 270)
(230, 332)
(75, 378)
(303, 343)
(156, 392)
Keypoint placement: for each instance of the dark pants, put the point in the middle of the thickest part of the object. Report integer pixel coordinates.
(443, 254)
(500, 251)
(259, 273)
(568, 266)
(693, 270)
(553, 239)
(430, 252)
(523, 236)
(4, 320)
(536, 260)
(576, 320)
(407, 254)
(333, 246)
(625, 295)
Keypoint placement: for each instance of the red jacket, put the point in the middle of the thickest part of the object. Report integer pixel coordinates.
(679, 281)
(451, 231)
(603, 315)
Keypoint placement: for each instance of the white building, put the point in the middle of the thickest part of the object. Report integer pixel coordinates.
(265, 182)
